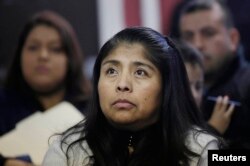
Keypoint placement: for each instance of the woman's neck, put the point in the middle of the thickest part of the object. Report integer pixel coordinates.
(50, 100)
(131, 139)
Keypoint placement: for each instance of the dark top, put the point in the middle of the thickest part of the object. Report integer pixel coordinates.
(15, 107)
(2, 160)
(235, 83)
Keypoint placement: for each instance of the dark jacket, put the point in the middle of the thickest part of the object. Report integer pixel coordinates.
(15, 107)
(2, 160)
(235, 83)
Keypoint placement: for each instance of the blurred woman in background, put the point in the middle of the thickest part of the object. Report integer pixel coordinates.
(46, 70)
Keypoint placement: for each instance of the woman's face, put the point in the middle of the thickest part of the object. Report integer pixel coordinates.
(129, 88)
(43, 60)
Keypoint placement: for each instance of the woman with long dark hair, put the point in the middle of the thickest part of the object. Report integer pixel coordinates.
(142, 111)
(46, 70)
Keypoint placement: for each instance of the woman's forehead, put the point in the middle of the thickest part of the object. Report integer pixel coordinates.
(124, 52)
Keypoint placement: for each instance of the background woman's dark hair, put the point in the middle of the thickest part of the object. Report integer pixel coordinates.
(189, 54)
(77, 85)
(179, 114)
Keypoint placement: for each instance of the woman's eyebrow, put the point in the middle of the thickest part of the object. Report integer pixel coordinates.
(138, 63)
(135, 63)
(115, 62)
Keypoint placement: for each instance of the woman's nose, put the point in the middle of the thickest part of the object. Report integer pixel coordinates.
(44, 54)
(124, 84)
(122, 88)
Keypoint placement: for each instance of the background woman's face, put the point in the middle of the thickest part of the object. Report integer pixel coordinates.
(129, 88)
(196, 81)
(43, 60)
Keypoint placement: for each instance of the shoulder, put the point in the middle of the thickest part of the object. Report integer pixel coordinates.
(12, 103)
(200, 142)
(67, 149)
(197, 139)
(243, 71)
(242, 80)
(55, 154)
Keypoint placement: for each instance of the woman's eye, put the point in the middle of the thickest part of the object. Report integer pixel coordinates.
(140, 73)
(32, 47)
(111, 72)
(56, 49)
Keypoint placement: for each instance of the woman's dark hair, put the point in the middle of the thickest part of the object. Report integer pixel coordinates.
(77, 85)
(178, 113)
(189, 54)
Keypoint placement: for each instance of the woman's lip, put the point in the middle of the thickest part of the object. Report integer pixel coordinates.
(123, 104)
(42, 69)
